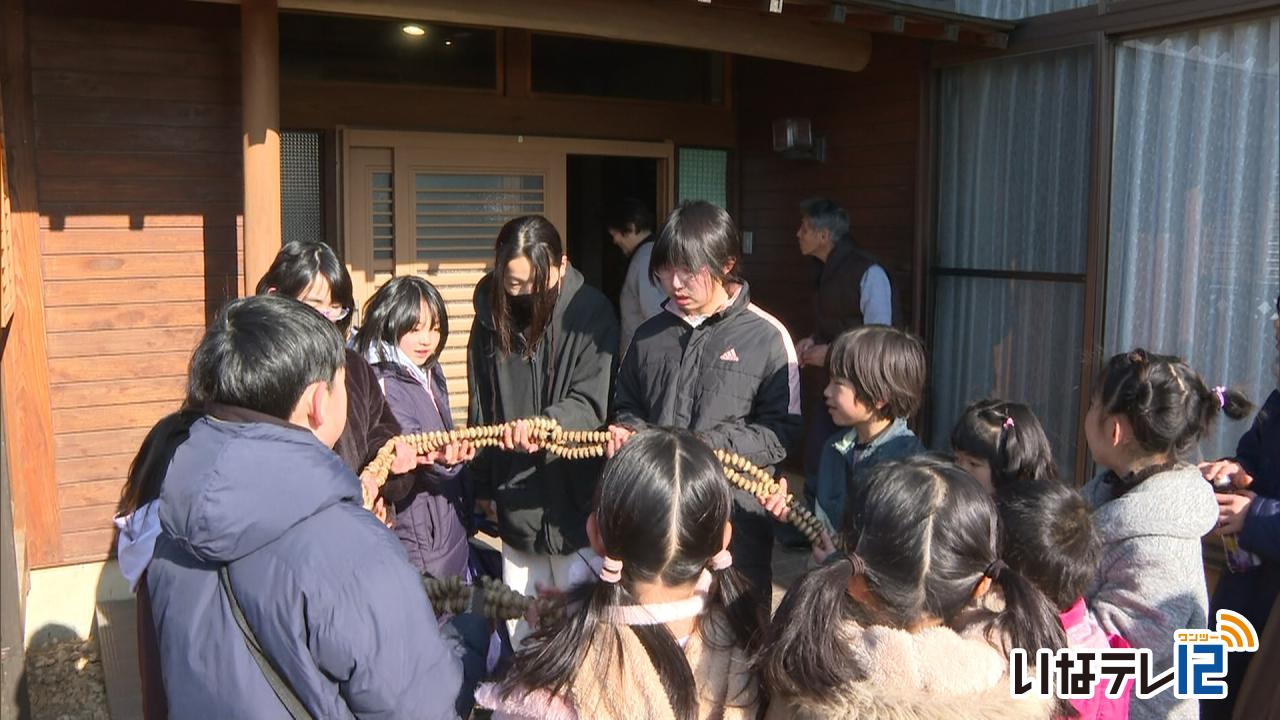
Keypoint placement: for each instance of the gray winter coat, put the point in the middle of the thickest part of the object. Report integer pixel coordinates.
(324, 585)
(1151, 580)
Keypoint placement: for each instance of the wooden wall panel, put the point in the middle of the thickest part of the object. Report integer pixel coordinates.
(870, 120)
(29, 431)
(138, 165)
(7, 293)
(314, 104)
(88, 368)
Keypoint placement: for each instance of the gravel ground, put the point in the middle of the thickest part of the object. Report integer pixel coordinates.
(65, 681)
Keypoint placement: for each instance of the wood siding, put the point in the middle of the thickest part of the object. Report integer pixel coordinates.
(870, 120)
(138, 173)
(138, 165)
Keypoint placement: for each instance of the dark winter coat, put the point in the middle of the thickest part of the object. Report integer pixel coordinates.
(733, 380)
(1258, 452)
(1253, 593)
(323, 584)
(428, 503)
(543, 502)
(370, 423)
(837, 300)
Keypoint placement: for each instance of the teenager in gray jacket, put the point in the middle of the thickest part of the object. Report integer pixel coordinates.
(1152, 507)
(630, 226)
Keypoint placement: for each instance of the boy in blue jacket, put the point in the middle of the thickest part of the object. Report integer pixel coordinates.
(256, 488)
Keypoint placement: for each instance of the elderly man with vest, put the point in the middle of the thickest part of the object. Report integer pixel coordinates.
(852, 289)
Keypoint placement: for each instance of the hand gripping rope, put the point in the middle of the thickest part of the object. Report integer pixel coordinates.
(501, 602)
(488, 598)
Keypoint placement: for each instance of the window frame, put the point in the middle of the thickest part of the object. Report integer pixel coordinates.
(1102, 27)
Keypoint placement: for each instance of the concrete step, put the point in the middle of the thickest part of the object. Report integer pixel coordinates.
(117, 632)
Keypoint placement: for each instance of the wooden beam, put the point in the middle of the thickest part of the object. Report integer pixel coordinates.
(25, 358)
(664, 22)
(309, 103)
(877, 22)
(260, 91)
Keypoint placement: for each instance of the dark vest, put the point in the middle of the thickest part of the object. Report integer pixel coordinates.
(838, 299)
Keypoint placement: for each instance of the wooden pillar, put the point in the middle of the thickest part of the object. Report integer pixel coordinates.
(260, 97)
(28, 412)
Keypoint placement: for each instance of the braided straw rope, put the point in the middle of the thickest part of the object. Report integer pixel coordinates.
(546, 433)
(498, 602)
(451, 595)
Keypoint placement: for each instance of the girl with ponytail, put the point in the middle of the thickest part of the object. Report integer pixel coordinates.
(914, 615)
(1151, 507)
(668, 628)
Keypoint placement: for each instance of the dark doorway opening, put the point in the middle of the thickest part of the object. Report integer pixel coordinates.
(594, 182)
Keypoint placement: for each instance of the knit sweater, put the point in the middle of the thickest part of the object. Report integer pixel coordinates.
(1150, 583)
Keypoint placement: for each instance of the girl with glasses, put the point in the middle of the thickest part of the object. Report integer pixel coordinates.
(311, 273)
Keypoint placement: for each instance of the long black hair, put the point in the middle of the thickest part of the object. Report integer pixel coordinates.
(698, 235)
(296, 267)
(1009, 437)
(1048, 536)
(147, 470)
(395, 309)
(661, 507)
(535, 239)
(1167, 403)
(924, 534)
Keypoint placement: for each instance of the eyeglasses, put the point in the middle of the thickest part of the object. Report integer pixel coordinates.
(685, 276)
(334, 314)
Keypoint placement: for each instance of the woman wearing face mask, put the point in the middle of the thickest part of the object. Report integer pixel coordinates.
(542, 344)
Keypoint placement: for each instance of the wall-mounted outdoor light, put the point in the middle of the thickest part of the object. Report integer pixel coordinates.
(413, 30)
(793, 137)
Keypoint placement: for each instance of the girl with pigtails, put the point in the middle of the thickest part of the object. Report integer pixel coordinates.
(914, 616)
(668, 628)
(1001, 443)
(1151, 506)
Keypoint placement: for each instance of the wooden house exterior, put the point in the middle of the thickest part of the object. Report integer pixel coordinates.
(143, 177)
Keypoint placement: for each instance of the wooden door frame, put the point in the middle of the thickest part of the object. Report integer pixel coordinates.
(356, 138)
(405, 152)
(663, 151)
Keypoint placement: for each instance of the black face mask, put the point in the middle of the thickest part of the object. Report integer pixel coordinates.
(522, 309)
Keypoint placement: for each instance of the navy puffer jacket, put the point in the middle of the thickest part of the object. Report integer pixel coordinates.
(324, 585)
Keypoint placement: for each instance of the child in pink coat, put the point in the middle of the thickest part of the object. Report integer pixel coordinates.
(1049, 539)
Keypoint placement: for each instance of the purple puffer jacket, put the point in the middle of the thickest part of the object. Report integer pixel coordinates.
(428, 503)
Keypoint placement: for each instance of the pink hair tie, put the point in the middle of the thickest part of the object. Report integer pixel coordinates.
(1221, 392)
(611, 571)
(1008, 423)
(722, 560)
